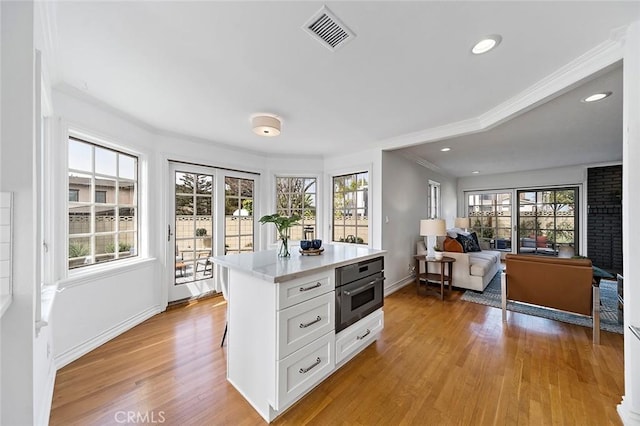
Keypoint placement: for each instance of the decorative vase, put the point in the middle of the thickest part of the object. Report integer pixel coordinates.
(283, 244)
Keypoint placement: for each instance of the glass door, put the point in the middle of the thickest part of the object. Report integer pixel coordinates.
(490, 218)
(210, 214)
(548, 221)
(193, 230)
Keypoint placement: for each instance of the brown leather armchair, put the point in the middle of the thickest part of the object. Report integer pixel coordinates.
(564, 284)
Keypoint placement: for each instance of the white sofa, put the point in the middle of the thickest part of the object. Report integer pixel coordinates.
(472, 271)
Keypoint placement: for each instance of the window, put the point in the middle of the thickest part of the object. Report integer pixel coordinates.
(103, 204)
(490, 217)
(433, 200)
(298, 195)
(238, 215)
(101, 197)
(547, 220)
(74, 195)
(351, 208)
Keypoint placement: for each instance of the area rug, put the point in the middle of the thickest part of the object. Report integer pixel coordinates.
(608, 307)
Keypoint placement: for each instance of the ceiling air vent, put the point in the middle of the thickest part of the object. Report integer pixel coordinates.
(325, 27)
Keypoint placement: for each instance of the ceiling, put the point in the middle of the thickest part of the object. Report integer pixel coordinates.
(201, 69)
(561, 132)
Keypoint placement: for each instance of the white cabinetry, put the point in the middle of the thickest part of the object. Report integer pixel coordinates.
(305, 335)
(281, 338)
(281, 317)
(352, 340)
(303, 323)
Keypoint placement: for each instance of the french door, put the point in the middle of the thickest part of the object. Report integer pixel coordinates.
(210, 213)
(548, 220)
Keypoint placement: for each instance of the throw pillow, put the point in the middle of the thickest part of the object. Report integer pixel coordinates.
(475, 237)
(452, 245)
(454, 232)
(468, 243)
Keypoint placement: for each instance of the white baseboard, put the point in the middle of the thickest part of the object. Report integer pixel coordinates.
(628, 417)
(42, 413)
(398, 285)
(83, 348)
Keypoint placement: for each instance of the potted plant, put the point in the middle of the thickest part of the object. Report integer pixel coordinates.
(202, 232)
(283, 225)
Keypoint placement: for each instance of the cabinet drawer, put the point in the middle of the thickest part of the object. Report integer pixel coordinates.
(302, 370)
(303, 323)
(359, 335)
(299, 290)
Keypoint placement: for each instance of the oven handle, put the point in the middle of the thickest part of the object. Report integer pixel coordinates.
(363, 288)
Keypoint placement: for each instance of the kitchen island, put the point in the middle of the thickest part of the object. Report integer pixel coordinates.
(281, 318)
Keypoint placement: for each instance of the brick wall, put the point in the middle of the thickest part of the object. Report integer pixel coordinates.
(604, 217)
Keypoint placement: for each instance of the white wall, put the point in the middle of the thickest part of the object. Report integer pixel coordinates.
(629, 409)
(17, 328)
(405, 188)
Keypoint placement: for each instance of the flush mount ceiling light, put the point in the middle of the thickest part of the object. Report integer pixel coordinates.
(475, 172)
(597, 97)
(266, 125)
(445, 149)
(486, 44)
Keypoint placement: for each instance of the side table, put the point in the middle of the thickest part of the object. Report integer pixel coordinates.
(428, 277)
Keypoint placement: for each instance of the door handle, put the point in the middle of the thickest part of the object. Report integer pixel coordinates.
(363, 288)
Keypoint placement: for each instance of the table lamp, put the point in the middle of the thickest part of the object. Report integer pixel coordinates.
(432, 228)
(462, 223)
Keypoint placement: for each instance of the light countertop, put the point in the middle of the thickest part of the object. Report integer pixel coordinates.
(269, 267)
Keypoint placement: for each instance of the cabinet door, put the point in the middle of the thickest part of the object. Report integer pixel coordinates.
(351, 340)
(302, 289)
(301, 324)
(302, 370)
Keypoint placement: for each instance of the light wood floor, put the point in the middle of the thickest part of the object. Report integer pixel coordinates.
(449, 363)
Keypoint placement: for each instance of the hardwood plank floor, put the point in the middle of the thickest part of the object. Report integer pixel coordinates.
(444, 363)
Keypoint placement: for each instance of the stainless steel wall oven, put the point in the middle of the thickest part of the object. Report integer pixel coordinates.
(359, 291)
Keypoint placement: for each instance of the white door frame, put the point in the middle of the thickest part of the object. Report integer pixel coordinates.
(197, 288)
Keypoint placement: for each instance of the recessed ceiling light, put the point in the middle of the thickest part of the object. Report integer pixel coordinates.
(597, 97)
(445, 149)
(475, 172)
(486, 44)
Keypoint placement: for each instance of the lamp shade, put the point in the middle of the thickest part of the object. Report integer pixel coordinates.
(462, 222)
(433, 227)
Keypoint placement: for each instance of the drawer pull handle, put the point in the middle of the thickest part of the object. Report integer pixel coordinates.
(364, 335)
(306, 370)
(311, 323)
(316, 285)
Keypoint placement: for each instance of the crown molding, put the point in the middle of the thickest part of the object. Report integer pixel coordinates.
(459, 128)
(587, 66)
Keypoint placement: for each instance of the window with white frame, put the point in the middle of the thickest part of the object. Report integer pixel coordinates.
(103, 204)
(350, 222)
(433, 200)
(298, 195)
